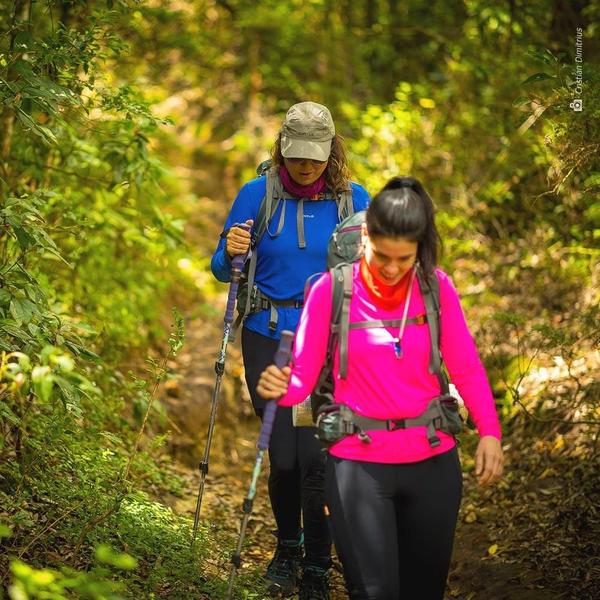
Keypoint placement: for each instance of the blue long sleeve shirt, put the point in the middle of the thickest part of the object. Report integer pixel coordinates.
(282, 268)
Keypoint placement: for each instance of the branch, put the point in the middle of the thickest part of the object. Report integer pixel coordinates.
(226, 6)
(48, 527)
(145, 419)
(71, 173)
(516, 400)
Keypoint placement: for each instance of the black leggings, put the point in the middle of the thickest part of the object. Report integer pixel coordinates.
(393, 525)
(296, 478)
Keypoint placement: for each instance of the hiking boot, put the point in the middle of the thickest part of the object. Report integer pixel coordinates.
(314, 584)
(282, 572)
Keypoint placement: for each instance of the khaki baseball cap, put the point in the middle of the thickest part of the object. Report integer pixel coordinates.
(307, 132)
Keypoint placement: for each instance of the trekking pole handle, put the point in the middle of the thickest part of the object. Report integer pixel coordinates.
(281, 359)
(237, 265)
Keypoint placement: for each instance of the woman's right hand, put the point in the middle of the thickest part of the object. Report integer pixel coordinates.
(273, 382)
(238, 240)
(489, 460)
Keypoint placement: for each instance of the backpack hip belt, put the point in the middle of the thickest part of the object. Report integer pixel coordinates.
(337, 422)
(259, 301)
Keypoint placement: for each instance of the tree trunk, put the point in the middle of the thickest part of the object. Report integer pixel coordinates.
(567, 15)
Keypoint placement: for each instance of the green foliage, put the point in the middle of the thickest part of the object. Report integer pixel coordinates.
(89, 245)
(98, 186)
(49, 584)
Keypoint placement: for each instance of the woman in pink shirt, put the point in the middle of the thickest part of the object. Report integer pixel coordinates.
(392, 496)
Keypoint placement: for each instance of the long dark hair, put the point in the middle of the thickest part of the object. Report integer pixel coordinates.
(403, 209)
(337, 173)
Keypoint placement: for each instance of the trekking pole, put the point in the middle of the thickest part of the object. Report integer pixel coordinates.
(237, 264)
(281, 359)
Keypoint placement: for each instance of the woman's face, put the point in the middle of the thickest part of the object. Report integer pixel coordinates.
(304, 171)
(389, 259)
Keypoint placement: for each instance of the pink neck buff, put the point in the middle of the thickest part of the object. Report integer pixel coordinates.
(312, 191)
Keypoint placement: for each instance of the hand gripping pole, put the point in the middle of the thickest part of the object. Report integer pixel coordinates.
(281, 359)
(237, 265)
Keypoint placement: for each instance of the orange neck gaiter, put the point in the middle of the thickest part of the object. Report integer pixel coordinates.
(385, 296)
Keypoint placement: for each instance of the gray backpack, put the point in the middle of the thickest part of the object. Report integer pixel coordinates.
(249, 298)
(344, 249)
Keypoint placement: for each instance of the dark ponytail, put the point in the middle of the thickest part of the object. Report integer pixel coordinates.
(403, 209)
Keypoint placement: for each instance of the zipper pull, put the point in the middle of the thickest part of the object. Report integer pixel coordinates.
(397, 348)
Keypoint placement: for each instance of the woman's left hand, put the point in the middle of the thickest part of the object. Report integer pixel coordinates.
(489, 460)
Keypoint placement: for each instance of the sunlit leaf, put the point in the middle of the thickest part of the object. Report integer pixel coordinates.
(121, 560)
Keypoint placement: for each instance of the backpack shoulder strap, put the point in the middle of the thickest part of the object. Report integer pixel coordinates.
(341, 281)
(430, 289)
(337, 302)
(268, 207)
(345, 205)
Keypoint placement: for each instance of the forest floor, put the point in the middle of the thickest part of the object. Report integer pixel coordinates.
(481, 568)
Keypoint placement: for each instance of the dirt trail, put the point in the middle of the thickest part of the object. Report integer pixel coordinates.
(475, 574)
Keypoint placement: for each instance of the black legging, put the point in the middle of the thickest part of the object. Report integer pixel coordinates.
(393, 525)
(296, 478)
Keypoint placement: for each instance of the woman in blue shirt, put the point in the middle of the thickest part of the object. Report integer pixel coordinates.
(309, 182)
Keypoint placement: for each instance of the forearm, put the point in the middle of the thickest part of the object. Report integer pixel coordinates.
(220, 264)
(464, 365)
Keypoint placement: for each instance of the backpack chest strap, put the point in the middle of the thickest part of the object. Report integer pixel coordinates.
(418, 320)
(276, 194)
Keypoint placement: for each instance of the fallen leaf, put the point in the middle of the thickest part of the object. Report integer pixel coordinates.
(470, 517)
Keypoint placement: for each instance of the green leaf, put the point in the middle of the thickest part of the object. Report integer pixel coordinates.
(8, 415)
(47, 133)
(65, 363)
(521, 100)
(82, 351)
(22, 310)
(43, 382)
(23, 41)
(5, 531)
(544, 55)
(43, 132)
(538, 77)
(12, 328)
(5, 296)
(23, 238)
(592, 181)
(69, 393)
(105, 554)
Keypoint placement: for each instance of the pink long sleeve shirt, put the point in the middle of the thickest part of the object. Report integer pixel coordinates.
(379, 385)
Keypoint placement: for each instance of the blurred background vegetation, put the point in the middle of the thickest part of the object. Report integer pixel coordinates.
(126, 128)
